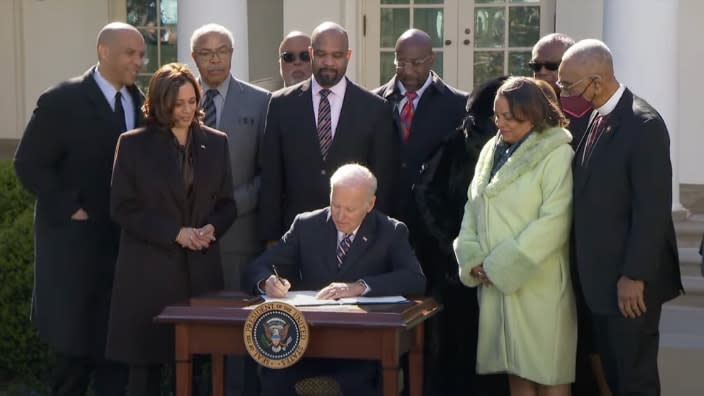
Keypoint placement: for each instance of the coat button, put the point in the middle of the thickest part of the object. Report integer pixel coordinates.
(322, 172)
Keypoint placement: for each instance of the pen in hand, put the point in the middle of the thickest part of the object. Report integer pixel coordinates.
(279, 287)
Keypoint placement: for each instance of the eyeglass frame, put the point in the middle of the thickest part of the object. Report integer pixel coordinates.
(536, 66)
(208, 54)
(412, 62)
(295, 56)
(568, 89)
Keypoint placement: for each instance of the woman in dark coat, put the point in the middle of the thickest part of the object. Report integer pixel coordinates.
(172, 196)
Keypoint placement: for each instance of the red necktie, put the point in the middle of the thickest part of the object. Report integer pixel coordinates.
(406, 115)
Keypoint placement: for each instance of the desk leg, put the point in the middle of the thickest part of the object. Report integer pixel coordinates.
(184, 369)
(217, 362)
(389, 362)
(415, 362)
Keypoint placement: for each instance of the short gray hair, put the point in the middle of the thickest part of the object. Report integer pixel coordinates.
(354, 175)
(208, 29)
(591, 52)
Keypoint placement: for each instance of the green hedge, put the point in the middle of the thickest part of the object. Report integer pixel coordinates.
(23, 357)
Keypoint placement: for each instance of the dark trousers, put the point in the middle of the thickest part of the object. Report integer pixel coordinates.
(145, 380)
(629, 351)
(355, 377)
(72, 375)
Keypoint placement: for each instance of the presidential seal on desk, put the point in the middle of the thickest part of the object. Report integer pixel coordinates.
(276, 334)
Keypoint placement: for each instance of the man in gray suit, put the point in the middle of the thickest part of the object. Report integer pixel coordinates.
(238, 109)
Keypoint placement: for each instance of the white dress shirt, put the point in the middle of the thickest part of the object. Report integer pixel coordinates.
(109, 92)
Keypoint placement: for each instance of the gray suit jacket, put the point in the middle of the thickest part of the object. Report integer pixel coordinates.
(242, 119)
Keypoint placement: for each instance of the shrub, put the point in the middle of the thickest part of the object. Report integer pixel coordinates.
(23, 357)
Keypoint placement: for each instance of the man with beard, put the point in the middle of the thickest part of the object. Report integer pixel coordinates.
(65, 160)
(238, 109)
(294, 59)
(316, 126)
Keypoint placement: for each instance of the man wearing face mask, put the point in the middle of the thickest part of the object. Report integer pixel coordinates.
(624, 246)
(545, 60)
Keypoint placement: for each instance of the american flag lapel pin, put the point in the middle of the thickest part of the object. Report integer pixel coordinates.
(364, 238)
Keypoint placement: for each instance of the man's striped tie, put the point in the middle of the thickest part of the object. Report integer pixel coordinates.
(342, 248)
(211, 115)
(324, 123)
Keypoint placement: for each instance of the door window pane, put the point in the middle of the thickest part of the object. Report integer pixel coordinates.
(489, 1)
(524, 26)
(487, 65)
(518, 63)
(156, 20)
(429, 1)
(489, 27)
(438, 65)
(394, 21)
(430, 21)
(387, 67)
(525, 1)
(395, 1)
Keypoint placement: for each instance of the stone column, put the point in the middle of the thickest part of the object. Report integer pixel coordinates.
(230, 13)
(642, 35)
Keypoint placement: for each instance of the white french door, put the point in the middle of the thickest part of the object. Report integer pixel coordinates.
(474, 40)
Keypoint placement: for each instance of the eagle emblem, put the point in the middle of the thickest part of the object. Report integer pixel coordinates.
(275, 336)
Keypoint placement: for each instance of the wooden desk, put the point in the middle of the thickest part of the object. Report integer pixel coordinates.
(375, 332)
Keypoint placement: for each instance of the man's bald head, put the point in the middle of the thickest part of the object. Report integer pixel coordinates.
(329, 29)
(414, 58)
(592, 57)
(330, 53)
(416, 38)
(294, 35)
(587, 67)
(112, 31)
(547, 55)
(120, 53)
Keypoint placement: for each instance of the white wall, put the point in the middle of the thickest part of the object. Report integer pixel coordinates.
(691, 89)
(580, 19)
(11, 102)
(58, 41)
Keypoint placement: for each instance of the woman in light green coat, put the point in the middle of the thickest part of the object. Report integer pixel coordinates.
(514, 243)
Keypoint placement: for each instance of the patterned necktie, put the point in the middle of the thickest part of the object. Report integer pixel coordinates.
(324, 123)
(593, 136)
(120, 112)
(211, 115)
(406, 115)
(342, 248)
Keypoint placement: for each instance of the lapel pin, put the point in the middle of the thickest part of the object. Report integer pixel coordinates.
(364, 238)
(202, 146)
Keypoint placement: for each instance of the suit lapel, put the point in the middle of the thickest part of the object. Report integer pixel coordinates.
(330, 245)
(308, 125)
(101, 107)
(582, 173)
(233, 105)
(362, 241)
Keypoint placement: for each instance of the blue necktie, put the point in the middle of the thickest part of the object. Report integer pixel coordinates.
(120, 113)
(211, 115)
(342, 248)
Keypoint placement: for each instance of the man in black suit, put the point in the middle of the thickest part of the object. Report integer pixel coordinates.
(314, 127)
(426, 112)
(65, 159)
(347, 249)
(624, 240)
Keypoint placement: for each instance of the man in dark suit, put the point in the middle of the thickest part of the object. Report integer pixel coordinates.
(65, 159)
(314, 127)
(347, 249)
(426, 112)
(624, 240)
(238, 109)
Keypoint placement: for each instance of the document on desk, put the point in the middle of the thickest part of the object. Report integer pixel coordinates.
(306, 298)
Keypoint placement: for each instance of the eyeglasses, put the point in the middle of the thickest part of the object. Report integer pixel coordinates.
(400, 64)
(567, 87)
(290, 57)
(207, 54)
(536, 66)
